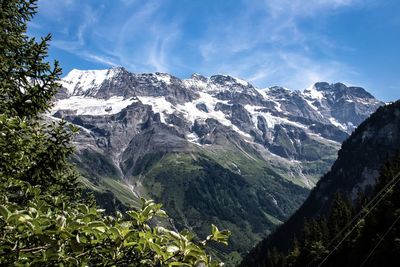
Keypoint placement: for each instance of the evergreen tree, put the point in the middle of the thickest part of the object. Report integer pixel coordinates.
(294, 254)
(275, 258)
(34, 152)
(378, 241)
(339, 216)
(27, 81)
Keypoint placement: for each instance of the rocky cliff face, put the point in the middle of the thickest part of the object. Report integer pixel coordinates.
(358, 166)
(208, 148)
(269, 117)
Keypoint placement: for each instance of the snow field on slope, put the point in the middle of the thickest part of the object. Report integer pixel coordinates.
(338, 124)
(209, 86)
(313, 93)
(189, 110)
(92, 106)
(163, 77)
(270, 119)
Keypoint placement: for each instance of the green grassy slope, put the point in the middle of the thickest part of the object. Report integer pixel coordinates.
(227, 186)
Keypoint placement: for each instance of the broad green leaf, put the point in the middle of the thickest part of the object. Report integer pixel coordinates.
(179, 264)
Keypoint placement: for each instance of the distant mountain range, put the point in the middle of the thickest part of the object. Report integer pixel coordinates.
(211, 149)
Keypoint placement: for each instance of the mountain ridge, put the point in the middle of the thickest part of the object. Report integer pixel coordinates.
(77, 82)
(157, 136)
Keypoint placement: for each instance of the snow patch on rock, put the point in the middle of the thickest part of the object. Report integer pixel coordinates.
(164, 77)
(313, 93)
(93, 106)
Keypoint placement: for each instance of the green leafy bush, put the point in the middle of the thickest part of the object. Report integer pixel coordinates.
(49, 231)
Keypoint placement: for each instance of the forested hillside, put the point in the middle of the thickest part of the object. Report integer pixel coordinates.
(363, 233)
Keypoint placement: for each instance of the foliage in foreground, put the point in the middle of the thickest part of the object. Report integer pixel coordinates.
(50, 232)
(43, 219)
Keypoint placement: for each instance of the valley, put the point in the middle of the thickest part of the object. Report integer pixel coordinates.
(211, 150)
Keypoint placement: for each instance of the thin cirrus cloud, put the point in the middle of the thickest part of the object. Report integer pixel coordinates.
(110, 33)
(299, 8)
(268, 42)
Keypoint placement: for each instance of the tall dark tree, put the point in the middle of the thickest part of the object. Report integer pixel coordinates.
(27, 81)
(32, 150)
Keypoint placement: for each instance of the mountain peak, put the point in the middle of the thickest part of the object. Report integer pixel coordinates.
(280, 92)
(325, 86)
(196, 76)
(279, 88)
(222, 79)
(322, 86)
(313, 92)
(342, 89)
(163, 77)
(118, 68)
(78, 82)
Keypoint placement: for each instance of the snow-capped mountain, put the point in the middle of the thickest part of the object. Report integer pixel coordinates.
(327, 111)
(207, 144)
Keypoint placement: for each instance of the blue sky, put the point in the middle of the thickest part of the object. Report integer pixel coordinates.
(292, 43)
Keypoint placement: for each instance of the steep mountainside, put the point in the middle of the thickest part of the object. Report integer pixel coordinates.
(356, 169)
(212, 150)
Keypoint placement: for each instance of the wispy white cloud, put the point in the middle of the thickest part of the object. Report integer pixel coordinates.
(267, 44)
(262, 41)
(100, 59)
(261, 22)
(146, 38)
(132, 34)
(158, 57)
(300, 8)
